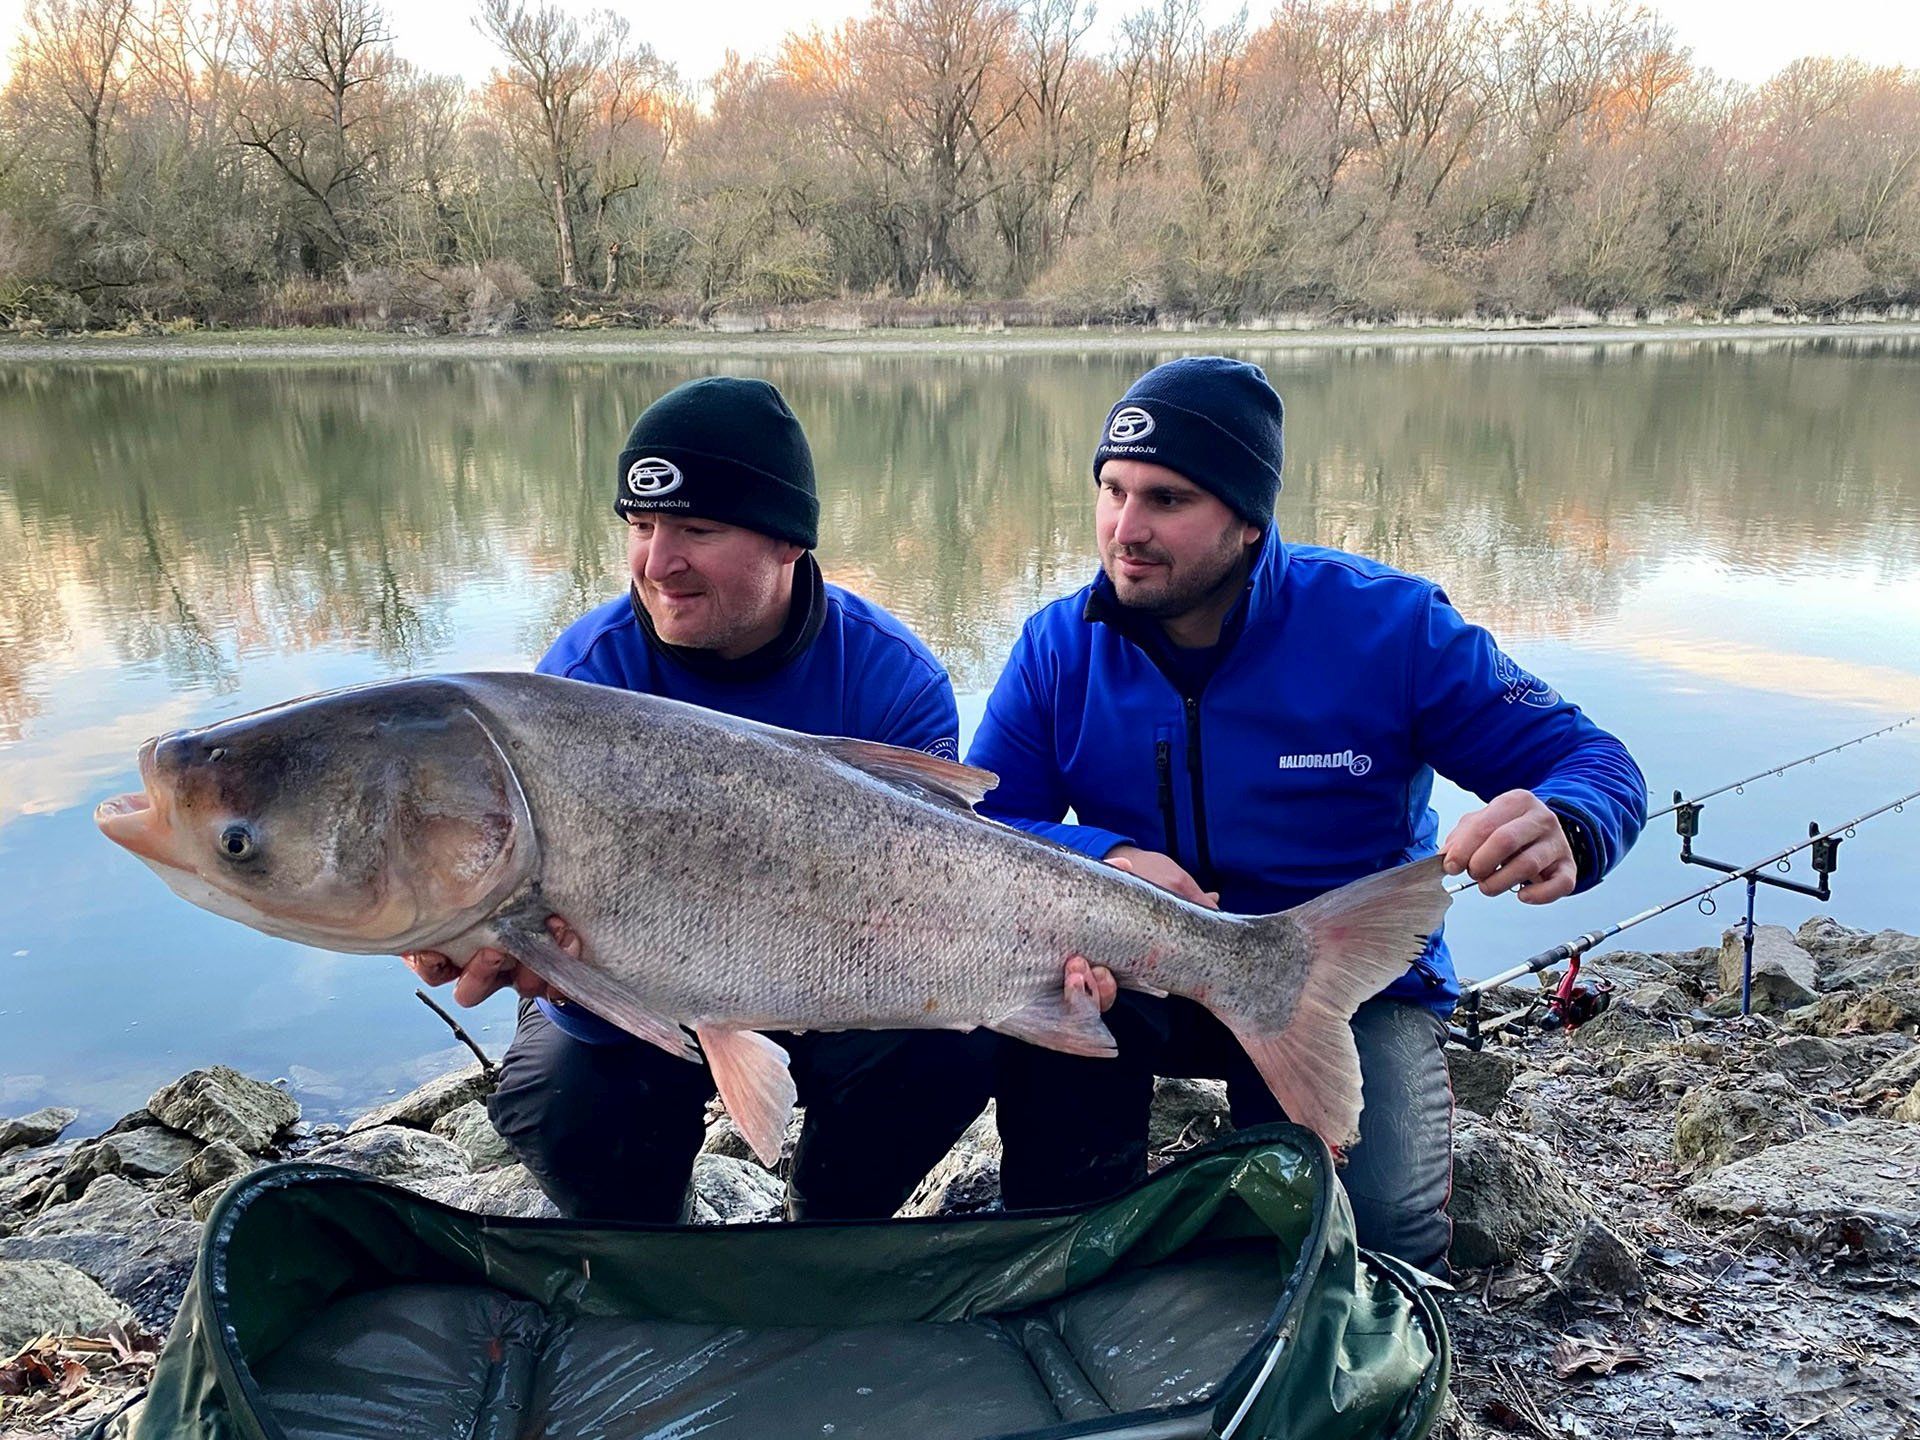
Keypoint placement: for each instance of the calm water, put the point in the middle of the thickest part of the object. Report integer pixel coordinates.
(1716, 549)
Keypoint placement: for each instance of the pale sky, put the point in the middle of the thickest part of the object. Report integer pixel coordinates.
(1741, 39)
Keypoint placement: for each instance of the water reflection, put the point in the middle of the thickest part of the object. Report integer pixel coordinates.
(1655, 527)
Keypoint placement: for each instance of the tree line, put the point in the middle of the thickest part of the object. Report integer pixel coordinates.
(275, 161)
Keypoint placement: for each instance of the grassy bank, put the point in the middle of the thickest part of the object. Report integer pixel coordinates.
(342, 344)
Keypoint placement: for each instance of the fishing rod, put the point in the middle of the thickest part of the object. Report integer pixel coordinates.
(1689, 808)
(1739, 786)
(1825, 845)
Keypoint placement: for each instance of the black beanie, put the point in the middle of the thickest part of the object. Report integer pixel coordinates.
(1214, 420)
(722, 449)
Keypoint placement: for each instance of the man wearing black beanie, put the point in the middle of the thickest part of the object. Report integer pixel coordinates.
(727, 609)
(1249, 724)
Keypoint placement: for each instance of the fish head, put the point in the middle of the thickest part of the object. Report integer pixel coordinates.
(373, 820)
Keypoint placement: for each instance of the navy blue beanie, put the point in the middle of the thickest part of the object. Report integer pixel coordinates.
(724, 449)
(1214, 420)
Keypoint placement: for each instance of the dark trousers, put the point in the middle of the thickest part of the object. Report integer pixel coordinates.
(1074, 1130)
(611, 1131)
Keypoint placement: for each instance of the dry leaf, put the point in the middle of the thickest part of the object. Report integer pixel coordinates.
(73, 1375)
(1573, 1357)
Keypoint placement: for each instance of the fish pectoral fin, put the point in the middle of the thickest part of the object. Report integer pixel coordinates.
(593, 988)
(750, 1072)
(1066, 1020)
(915, 771)
(1127, 982)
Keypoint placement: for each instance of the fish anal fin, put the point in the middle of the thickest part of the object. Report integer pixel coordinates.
(751, 1074)
(914, 770)
(1067, 1020)
(533, 947)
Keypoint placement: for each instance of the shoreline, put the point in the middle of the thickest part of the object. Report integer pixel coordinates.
(936, 342)
(1671, 1186)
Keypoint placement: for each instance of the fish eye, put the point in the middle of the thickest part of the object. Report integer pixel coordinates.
(216, 752)
(237, 843)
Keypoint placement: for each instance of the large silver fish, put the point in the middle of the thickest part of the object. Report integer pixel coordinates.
(728, 878)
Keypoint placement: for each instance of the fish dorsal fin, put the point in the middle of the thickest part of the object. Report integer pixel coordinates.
(915, 771)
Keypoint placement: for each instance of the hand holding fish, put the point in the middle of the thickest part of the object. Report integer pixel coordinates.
(1164, 871)
(1513, 842)
(1155, 869)
(488, 970)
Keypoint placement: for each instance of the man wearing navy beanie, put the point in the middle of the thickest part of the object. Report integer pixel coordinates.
(726, 608)
(1251, 723)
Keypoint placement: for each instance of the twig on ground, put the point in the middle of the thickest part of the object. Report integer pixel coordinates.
(487, 1067)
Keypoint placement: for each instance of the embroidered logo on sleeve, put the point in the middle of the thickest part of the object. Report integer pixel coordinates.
(1519, 688)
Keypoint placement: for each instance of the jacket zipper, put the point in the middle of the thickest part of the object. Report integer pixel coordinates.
(1199, 790)
(1163, 766)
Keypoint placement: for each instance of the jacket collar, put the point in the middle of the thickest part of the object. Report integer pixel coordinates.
(804, 620)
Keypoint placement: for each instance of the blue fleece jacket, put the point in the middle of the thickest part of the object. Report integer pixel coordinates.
(1307, 759)
(864, 675)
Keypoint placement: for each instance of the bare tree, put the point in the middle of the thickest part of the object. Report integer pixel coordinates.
(543, 93)
(1426, 94)
(317, 106)
(76, 50)
(1053, 145)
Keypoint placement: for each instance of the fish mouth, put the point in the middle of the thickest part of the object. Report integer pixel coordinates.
(137, 821)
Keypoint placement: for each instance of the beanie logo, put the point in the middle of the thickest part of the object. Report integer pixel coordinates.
(651, 476)
(1130, 423)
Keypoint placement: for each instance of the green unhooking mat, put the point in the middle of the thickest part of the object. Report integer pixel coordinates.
(1225, 1298)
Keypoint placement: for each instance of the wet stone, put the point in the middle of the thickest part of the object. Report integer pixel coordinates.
(507, 1190)
(1859, 1181)
(418, 1109)
(118, 1235)
(471, 1130)
(1185, 1115)
(1713, 1127)
(1481, 1079)
(394, 1153)
(1784, 975)
(967, 1179)
(727, 1191)
(219, 1103)
(1509, 1195)
(1620, 1029)
(1597, 1262)
(42, 1127)
(39, 1297)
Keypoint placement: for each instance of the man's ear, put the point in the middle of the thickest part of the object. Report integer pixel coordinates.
(790, 553)
(1250, 535)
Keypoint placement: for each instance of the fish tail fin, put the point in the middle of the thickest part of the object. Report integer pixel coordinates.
(1357, 941)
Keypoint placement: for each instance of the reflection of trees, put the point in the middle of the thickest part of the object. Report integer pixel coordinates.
(32, 622)
(206, 512)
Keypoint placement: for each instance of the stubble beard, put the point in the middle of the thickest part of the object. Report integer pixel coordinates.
(1202, 582)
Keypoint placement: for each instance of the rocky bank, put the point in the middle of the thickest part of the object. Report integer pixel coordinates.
(1673, 1221)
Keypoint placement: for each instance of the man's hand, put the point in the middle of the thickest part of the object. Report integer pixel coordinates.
(1514, 841)
(1162, 870)
(1094, 980)
(489, 970)
(1156, 869)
